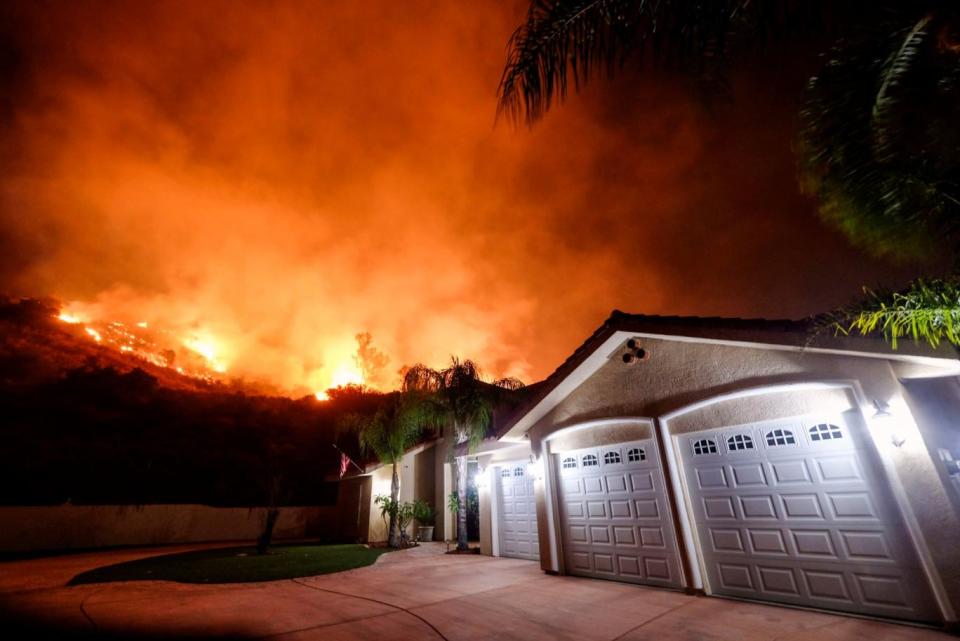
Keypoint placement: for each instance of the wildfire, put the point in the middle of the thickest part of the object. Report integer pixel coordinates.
(207, 347)
(203, 358)
(347, 373)
(199, 353)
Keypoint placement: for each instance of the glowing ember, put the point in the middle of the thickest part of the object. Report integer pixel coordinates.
(69, 318)
(94, 333)
(207, 347)
(347, 373)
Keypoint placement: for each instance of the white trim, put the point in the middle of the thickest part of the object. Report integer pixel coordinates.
(895, 483)
(600, 422)
(602, 353)
(493, 483)
(550, 498)
(683, 507)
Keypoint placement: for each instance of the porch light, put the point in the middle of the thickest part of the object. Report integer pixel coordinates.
(480, 479)
(534, 469)
(884, 419)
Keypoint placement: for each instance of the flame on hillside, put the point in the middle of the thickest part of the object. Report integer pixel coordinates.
(199, 353)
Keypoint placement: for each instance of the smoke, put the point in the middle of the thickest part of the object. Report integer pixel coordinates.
(276, 178)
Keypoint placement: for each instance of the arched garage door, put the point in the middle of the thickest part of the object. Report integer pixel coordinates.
(614, 516)
(799, 512)
(517, 513)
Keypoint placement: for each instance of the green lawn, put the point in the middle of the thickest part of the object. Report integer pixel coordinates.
(236, 564)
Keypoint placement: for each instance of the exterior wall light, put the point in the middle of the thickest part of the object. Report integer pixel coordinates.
(480, 480)
(534, 468)
(884, 418)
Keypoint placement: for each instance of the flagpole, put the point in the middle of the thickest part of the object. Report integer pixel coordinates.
(360, 469)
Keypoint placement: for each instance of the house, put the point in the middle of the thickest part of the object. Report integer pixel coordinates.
(740, 458)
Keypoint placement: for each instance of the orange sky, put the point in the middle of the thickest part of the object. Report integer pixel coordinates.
(275, 178)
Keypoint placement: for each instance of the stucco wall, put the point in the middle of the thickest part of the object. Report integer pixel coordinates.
(353, 513)
(417, 473)
(678, 374)
(424, 488)
(91, 526)
(486, 517)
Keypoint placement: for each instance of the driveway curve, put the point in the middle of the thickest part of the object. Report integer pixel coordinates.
(415, 594)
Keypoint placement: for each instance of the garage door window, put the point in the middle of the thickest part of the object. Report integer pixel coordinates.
(590, 460)
(739, 442)
(569, 463)
(825, 432)
(779, 437)
(518, 471)
(635, 455)
(505, 473)
(611, 458)
(704, 446)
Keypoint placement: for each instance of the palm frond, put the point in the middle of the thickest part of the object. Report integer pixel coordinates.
(928, 310)
(456, 397)
(878, 146)
(563, 42)
(390, 431)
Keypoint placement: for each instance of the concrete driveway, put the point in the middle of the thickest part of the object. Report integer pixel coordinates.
(410, 595)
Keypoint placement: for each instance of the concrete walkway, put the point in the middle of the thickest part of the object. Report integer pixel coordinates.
(410, 595)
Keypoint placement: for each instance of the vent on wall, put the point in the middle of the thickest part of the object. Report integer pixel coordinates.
(634, 353)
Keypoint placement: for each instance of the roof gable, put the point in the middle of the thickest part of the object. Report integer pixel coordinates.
(795, 335)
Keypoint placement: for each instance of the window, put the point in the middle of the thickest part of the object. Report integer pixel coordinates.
(569, 463)
(518, 471)
(635, 454)
(704, 446)
(780, 437)
(739, 442)
(589, 460)
(611, 457)
(825, 432)
(505, 473)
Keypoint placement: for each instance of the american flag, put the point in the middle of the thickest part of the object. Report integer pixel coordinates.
(345, 462)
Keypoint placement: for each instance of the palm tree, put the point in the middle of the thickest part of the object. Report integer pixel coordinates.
(387, 434)
(457, 401)
(877, 146)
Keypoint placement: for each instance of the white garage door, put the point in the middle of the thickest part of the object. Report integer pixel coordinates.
(798, 512)
(614, 515)
(517, 513)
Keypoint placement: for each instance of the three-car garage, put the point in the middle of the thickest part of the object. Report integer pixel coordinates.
(740, 458)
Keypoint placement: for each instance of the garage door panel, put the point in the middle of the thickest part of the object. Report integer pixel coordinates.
(624, 531)
(800, 513)
(750, 475)
(593, 485)
(652, 537)
(711, 478)
(641, 482)
(616, 483)
(790, 472)
(517, 522)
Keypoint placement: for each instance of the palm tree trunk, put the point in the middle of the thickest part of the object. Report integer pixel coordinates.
(393, 538)
(462, 501)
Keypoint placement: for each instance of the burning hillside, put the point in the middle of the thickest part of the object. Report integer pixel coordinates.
(44, 339)
(40, 342)
(110, 412)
